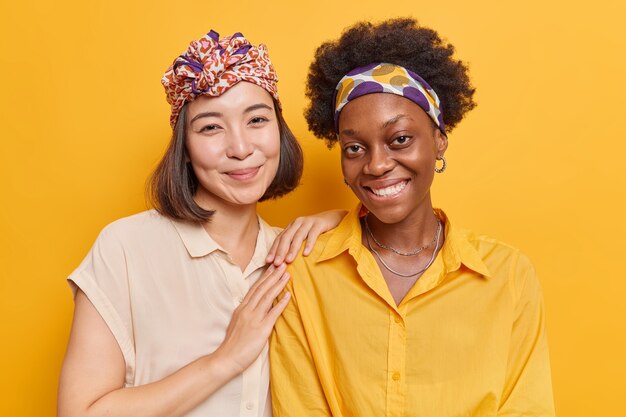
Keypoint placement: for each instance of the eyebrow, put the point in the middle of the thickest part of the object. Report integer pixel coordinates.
(348, 132)
(205, 114)
(258, 106)
(249, 109)
(352, 132)
(394, 120)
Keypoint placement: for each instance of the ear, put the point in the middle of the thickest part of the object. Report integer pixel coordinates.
(441, 143)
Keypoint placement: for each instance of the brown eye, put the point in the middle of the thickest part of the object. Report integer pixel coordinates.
(208, 128)
(258, 120)
(353, 150)
(401, 140)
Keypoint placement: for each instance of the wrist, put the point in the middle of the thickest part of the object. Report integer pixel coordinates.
(225, 365)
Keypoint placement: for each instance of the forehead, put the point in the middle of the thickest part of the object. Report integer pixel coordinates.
(236, 99)
(378, 108)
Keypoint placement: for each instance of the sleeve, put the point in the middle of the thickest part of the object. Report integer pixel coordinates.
(295, 385)
(527, 386)
(103, 277)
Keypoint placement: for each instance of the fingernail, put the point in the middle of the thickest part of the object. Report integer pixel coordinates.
(282, 267)
(278, 260)
(271, 268)
(286, 276)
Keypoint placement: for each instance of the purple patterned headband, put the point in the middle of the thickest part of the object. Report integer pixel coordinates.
(388, 78)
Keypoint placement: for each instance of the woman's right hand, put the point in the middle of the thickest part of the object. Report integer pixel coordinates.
(253, 320)
(92, 379)
(288, 242)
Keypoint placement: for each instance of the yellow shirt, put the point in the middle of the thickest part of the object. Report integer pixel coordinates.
(467, 340)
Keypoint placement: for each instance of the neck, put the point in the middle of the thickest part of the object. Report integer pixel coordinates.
(416, 230)
(231, 227)
(234, 227)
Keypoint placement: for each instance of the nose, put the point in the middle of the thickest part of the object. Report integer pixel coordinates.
(239, 146)
(379, 162)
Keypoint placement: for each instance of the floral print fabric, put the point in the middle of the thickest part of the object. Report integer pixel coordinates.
(211, 66)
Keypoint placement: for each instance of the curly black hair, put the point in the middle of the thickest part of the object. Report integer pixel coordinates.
(397, 41)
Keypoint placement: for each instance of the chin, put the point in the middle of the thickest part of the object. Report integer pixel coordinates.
(387, 215)
(247, 197)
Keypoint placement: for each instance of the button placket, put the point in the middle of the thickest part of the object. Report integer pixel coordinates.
(396, 362)
(235, 280)
(250, 391)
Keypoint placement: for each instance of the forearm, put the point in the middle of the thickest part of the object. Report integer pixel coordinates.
(172, 396)
(94, 367)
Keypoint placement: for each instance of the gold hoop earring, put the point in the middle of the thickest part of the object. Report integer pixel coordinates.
(443, 167)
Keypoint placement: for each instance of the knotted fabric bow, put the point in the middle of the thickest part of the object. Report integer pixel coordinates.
(211, 66)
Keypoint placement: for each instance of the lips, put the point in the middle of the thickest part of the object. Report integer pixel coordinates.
(387, 190)
(243, 174)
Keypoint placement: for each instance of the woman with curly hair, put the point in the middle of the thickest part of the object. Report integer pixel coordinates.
(397, 312)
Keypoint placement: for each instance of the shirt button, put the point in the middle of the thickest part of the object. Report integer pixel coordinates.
(240, 299)
(396, 376)
(249, 405)
(397, 319)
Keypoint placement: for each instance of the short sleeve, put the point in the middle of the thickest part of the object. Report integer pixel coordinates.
(103, 277)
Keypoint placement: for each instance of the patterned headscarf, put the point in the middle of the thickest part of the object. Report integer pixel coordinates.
(211, 66)
(388, 78)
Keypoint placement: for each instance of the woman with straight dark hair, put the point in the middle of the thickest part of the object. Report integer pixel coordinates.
(174, 305)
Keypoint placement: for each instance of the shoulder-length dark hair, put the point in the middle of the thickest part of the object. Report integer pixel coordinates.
(173, 184)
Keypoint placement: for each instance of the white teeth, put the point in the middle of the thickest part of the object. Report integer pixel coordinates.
(389, 191)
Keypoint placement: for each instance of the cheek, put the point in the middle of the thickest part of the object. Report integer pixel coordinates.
(202, 155)
(347, 168)
(272, 143)
(425, 169)
(426, 164)
(273, 149)
(423, 159)
(270, 147)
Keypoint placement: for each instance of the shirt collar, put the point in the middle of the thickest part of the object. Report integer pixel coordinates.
(195, 238)
(457, 249)
(346, 236)
(199, 243)
(264, 241)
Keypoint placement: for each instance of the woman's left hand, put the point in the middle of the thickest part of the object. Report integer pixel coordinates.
(288, 242)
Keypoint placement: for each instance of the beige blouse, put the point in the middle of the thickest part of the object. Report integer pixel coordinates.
(167, 291)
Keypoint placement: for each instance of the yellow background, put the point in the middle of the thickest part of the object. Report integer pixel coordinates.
(539, 163)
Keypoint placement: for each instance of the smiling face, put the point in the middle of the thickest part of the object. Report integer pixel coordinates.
(389, 147)
(233, 143)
